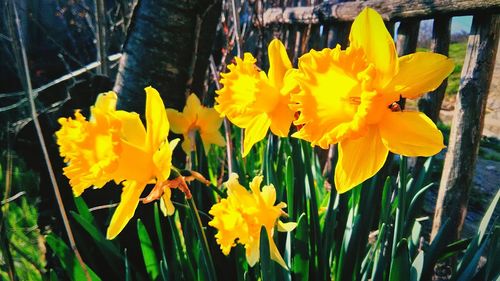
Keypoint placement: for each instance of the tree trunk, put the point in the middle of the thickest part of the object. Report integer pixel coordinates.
(467, 124)
(160, 51)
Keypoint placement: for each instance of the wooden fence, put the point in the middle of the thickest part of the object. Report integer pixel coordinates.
(302, 26)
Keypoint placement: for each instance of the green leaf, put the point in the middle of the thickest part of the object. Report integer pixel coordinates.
(400, 266)
(105, 246)
(300, 250)
(266, 264)
(148, 253)
(83, 209)
(380, 260)
(68, 260)
(492, 269)
(290, 188)
(385, 211)
(415, 207)
(206, 257)
(159, 233)
(476, 242)
(416, 267)
(454, 248)
(470, 269)
(431, 254)
(128, 277)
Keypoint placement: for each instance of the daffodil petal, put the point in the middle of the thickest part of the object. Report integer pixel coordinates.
(420, 73)
(212, 138)
(411, 134)
(162, 159)
(368, 32)
(282, 117)
(256, 131)
(286, 227)
(252, 252)
(133, 130)
(156, 119)
(279, 63)
(166, 205)
(192, 109)
(106, 101)
(275, 254)
(178, 124)
(268, 194)
(126, 209)
(209, 120)
(359, 159)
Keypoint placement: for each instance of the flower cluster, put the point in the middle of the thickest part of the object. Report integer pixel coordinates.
(340, 96)
(240, 216)
(115, 145)
(346, 97)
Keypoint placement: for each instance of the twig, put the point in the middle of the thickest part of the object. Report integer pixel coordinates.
(26, 79)
(100, 22)
(61, 79)
(227, 125)
(236, 28)
(109, 206)
(10, 199)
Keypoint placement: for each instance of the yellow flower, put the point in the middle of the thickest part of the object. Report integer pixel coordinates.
(114, 145)
(255, 101)
(348, 98)
(196, 117)
(240, 216)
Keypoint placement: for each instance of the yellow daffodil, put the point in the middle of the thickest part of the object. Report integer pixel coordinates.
(114, 145)
(196, 117)
(348, 97)
(252, 100)
(240, 216)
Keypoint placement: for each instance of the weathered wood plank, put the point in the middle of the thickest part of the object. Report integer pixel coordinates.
(467, 125)
(407, 37)
(430, 103)
(407, 41)
(390, 10)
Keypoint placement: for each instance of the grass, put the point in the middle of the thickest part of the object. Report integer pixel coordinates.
(457, 54)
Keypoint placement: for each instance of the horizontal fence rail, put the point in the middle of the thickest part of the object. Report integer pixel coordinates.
(390, 10)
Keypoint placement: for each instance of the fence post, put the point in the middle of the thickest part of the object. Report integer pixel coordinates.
(467, 125)
(430, 104)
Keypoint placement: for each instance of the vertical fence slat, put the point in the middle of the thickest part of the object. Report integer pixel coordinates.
(467, 125)
(339, 34)
(430, 103)
(407, 37)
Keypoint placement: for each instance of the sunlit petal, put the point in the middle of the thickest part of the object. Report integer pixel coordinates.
(411, 134)
(279, 63)
(420, 73)
(255, 132)
(126, 209)
(359, 159)
(368, 32)
(156, 119)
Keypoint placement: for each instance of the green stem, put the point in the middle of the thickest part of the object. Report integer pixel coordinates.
(401, 210)
(198, 226)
